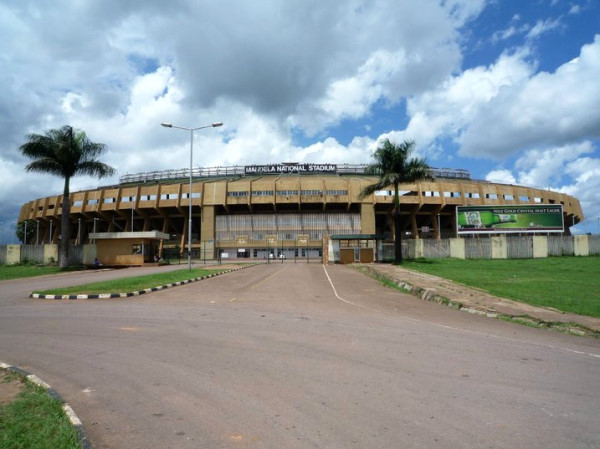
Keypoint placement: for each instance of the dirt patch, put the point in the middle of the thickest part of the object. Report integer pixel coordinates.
(10, 387)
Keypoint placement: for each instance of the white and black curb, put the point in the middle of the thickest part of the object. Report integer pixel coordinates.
(429, 294)
(75, 421)
(136, 293)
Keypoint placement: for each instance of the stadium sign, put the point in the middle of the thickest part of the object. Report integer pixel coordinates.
(289, 168)
(526, 218)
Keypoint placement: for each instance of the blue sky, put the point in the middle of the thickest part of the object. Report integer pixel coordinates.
(506, 89)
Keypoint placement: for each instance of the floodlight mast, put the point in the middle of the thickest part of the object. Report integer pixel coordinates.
(191, 130)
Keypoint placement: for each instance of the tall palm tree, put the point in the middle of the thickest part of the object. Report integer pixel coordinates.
(394, 166)
(65, 152)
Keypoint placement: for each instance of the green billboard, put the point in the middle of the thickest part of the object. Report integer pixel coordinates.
(506, 219)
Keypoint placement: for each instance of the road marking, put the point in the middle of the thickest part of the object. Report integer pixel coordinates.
(232, 299)
(130, 329)
(266, 279)
(336, 293)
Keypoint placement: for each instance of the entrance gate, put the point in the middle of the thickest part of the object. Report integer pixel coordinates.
(355, 248)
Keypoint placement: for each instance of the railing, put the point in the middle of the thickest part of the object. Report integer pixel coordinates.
(239, 170)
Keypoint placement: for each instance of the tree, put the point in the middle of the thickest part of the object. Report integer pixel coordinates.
(31, 227)
(394, 166)
(65, 152)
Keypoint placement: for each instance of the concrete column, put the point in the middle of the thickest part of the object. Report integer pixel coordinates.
(50, 253)
(581, 245)
(499, 247)
(540, 246)
(367, 218)
(413, 224)
(13, 254)
(207, 249)
(208, 224)
(457, 248)
(207, 231)
(419, 248)
(326, 250)
(90, 252)
(436, 222)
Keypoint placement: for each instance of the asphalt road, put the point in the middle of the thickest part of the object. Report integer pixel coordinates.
(300, 356)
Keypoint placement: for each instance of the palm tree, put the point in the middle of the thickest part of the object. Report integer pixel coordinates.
(65, 152)
(394, 166)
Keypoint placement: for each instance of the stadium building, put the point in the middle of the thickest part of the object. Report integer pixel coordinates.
(279, 210)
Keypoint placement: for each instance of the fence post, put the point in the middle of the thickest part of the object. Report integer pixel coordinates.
(457, 248)
(540, 246)
(581, 245)
(499, 248)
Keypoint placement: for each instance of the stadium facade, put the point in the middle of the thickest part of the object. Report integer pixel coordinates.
(277, 210)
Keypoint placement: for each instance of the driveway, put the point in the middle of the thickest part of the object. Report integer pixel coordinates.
(301, 356)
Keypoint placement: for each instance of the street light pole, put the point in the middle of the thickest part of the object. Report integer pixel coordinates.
(191, 130)
(95, 219)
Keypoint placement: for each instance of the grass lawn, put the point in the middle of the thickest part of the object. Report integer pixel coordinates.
(22, 271)
(132, 284)
(570, 284)
(34, 419)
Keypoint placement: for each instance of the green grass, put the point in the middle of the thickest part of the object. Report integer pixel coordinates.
(131, 284)
(570, 284)
(35, 420)
(22, 271)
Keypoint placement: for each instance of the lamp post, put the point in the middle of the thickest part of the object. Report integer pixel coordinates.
(95, 220)
(191, 130)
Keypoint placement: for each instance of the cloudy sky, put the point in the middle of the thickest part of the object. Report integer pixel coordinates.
(506, 89)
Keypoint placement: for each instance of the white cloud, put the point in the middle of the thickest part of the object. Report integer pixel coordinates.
(585, 173)
(386, 76)
(546, 167)
(502, 35)
(456, 102)
(501, 177)
(462, 11)
(546, 109)
(543, 26)
(570, 169)
(330, 150)
(514, 29)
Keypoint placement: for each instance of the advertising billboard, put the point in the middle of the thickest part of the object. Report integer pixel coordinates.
(508, 219)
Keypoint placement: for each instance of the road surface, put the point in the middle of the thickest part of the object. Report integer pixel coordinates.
(300, 356)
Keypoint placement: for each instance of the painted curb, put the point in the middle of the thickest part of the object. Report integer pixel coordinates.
(135, 293)
(75, 421)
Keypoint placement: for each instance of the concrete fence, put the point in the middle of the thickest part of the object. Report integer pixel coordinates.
(498, 247)
(46, 254)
